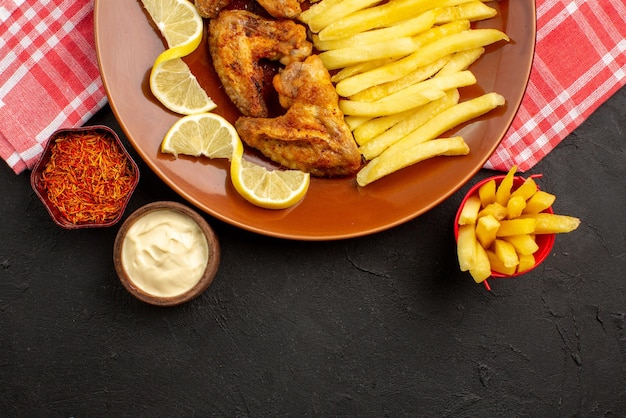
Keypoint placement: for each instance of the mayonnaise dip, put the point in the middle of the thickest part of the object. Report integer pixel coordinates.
(165, 253)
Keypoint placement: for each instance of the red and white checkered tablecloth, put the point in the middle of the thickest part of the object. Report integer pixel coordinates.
(49, 75)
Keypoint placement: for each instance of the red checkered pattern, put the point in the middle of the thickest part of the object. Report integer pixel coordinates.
(49, 75)
(580, 61)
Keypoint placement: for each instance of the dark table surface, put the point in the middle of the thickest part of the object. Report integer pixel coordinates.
(383, 325)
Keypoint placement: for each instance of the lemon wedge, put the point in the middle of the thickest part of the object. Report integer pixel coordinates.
(269, 189)
(171, 80)
(202, 134)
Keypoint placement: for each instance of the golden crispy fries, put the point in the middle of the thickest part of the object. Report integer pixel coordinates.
(397, 159)
(503, 191)
(360, 68)
(397, 69)
(380, 16)
(461, 61)
(526, 262)
(473, 11)
(487, 193)
(469, 213)
(410, 27)
(497, 265)
(502, 230)
(316, 9)
(494, 209)
(355, 121)
(444, 121)
(373, 147)
(517, 226)
(486, 229)
(549, 223)
(466, 247)
(410, 97)
(334, 12)
(526, 190)
(524, 244)
(344, 57)
(418, 75)
(376, 126)
(539, 202)
(481, 270)
(506, 252)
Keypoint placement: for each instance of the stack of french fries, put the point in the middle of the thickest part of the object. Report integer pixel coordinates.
(398, 66)
(497, 227)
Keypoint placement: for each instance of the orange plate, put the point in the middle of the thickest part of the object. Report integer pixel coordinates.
(127, 45)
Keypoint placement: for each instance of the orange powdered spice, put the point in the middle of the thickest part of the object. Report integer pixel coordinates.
(87, 178)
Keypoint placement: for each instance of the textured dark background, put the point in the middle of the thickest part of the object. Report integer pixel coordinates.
(383, 325)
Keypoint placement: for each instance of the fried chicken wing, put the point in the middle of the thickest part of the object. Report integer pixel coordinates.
(210, 8)
(238, 40)
(312, 135)
(280, 9)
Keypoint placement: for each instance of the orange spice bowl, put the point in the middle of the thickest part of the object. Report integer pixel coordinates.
(545, 242)
(85, 184)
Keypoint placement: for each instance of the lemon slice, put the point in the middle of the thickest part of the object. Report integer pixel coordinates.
(178, 21)
(269, 189)
(203, 134)
(171, 80)
(174, 85)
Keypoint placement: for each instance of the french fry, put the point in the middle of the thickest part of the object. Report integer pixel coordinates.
(539, 202)
(444, 121)
(526, 262)
(469, 212)
(551, 223)
(519, 226)
(524, 244)
(515, 206)
(379, 16)
(333, 11)
(376, 126)
(494, 209)
(481, 270)
(497, 265)
(473, 11)
(486, 228)
(344, 57)
(375, 146)
(317, 9)
(410, 27)
(383, 90)
(526, 190)
(503, 192)
(506, 252)
(466, 247)
(386, 164)
(410, 97)
(360, 68)
(456, 42)
(487, 193)
(396, 69)
(354, 122)
(461, 61)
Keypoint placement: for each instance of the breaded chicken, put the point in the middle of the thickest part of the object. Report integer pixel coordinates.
(312, 136)
(281, 9)
(238, 40)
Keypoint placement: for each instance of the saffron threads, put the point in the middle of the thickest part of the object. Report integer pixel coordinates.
(87, 178)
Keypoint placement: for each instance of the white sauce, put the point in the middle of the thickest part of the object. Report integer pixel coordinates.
(165, 253)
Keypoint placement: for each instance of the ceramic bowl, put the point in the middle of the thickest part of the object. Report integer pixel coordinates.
(40, 187)
(122, 259)
(545, 242)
